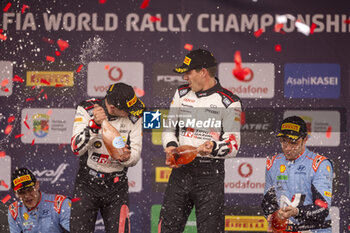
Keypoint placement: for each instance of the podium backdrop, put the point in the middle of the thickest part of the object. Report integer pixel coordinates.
(55, 54)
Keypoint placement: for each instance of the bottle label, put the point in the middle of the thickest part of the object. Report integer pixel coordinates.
(118, 142)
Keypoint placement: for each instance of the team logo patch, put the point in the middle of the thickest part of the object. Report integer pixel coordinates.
(78, 119)
(328, 168)
(26, 216)
(97, 144)
(282, 168)
(290, 126)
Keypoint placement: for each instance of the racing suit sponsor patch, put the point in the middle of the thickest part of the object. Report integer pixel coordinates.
(14, 210)
(58, 202)
(317, 161)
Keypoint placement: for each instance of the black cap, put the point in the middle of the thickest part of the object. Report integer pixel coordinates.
(124, 98)
(22, 178)
(293, 127)
(196, 59)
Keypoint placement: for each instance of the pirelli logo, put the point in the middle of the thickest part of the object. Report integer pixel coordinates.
(21, 179)
(132, 101)
(187, 61)
(50, 78)
(290, 126)
(162, 174)
(245, 223)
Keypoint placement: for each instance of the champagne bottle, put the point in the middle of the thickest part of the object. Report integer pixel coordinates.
(184, 154)
(278, 224)
(112, 140)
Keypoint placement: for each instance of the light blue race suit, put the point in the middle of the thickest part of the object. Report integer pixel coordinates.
(307, 182)
(50, 215)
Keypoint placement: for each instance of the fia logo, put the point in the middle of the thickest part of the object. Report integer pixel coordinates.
(151, 120)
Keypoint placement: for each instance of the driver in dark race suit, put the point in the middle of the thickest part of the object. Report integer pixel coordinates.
(200, 184)
(101, 183)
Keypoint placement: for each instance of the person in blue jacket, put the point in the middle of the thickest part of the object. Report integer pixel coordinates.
(36, 211)
(298, 182)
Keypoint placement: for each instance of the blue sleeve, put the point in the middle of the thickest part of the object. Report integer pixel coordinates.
(321, 190)
(269, 203)
(64, 216)
(14, 227)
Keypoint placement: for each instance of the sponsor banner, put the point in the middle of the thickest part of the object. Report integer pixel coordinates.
(103, 74)
(6, 75)
(165, 80)
(135, 177)
(245, 175)
(52, 175)
(258, 83)
(245, 223)
(47, 125)
(323, 126)
(320, 81)
(50, 78)
(5, 173)
(191, 225)
(258, 127)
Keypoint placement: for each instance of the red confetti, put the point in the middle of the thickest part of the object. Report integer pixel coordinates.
(2, 154)
(11, 119)
(5, 199)
(33, 87)
(139, 92)
(49, 58)
(24, 7)
(6, 90)
(102, 1)
(4, 184)
(44, 81)
(258, 32)
(19, 135)
(49, 112)
(59, 85)
(329, 132)
(62, 44)
(144, 4)
(242, 74)
(347, 21)
(312, 28)
(76, 199)
(33, 141)
(1, 30)
(79, 68)
(188, 47)
(8, 129)
(17, 79)
(278, 48)
(4, 82)
(45, 96)
(116, 179)
(3, 37)
(7, 7)
(26, 124)
(57, 53)
(154, 19)
(48, 40)
(278, 27)
(29, 99)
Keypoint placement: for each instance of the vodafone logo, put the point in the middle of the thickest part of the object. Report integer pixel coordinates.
(245, 170)
(115, 73)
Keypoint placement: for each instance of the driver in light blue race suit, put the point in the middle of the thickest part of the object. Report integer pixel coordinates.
(36, 212)
(302, 176)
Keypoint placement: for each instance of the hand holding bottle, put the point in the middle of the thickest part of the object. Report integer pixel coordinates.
(180, 155)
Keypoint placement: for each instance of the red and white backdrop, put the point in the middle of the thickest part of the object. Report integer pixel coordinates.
(294, 57)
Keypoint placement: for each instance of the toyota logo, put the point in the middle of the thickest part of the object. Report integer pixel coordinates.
(245, 170)
(112, 76)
